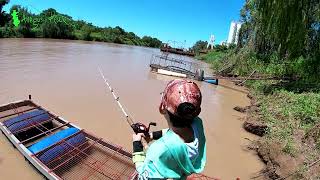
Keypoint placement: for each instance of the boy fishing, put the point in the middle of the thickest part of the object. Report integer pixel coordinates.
(180, 150)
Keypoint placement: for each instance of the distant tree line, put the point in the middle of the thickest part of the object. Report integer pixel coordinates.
(51, 24)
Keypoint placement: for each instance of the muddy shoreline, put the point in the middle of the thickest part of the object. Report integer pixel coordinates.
(279, 165)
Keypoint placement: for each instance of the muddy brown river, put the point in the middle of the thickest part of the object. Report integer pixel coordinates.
(62, 76)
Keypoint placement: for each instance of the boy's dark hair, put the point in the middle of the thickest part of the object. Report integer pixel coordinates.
(182, 119)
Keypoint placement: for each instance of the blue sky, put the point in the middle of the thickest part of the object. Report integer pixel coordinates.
(168, 20)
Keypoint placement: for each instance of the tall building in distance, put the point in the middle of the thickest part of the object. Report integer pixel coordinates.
(234, 32)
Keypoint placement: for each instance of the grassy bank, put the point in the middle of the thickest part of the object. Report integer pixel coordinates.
(289, 109)
(292, 142)
(212, 57)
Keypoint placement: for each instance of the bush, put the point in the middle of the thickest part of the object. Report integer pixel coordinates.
(8, 32)
(26, 32)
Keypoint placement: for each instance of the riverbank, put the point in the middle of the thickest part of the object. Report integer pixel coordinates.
(290, 128)
(286, 114)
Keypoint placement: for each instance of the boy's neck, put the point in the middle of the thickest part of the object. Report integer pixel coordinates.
(186, 133)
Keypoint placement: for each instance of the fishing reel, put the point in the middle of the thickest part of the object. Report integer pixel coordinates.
(141, 128)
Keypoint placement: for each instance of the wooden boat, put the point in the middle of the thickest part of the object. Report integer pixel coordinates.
(59, 149)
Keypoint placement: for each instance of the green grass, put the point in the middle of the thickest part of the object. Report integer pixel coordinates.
(214, 58)
(290, 148)
(211, 56)
(287, 113)
(318, 144)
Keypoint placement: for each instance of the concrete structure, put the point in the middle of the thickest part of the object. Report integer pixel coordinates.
(234, 32)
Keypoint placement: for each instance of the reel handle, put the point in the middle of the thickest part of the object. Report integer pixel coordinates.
(141, 128)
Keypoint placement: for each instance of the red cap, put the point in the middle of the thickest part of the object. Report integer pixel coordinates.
(181, 91)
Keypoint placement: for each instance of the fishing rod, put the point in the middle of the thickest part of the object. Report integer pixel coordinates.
(136, 127)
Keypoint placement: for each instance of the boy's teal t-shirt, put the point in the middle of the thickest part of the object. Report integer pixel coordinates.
(168, 157)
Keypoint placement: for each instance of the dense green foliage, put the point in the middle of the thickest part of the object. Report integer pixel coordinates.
(290, 28)
(199, 45)
(3, 17)
(51, 24)
(283, 32)
(283, 36)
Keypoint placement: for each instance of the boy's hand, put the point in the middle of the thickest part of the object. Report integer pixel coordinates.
(137, 137)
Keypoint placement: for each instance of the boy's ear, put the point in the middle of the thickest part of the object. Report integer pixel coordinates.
(162, 109)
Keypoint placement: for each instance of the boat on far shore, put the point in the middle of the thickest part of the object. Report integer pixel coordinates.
(180, 51)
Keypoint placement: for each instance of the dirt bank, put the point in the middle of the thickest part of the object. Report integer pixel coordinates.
(298, 161)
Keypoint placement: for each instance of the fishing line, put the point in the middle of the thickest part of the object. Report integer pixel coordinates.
(116, 98)
(136, 126)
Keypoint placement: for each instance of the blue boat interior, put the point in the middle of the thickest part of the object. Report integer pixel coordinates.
(32, 125)
(27, 115)
(52, 139)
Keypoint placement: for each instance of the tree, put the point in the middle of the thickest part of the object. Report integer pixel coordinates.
(223, 48)
(199, 45)
(86, 33)
(4, 18)
(49, 12)
(2, 3)
(151, 42)
(286, 29)
(118, 40)
(119, 31)
(59, 30)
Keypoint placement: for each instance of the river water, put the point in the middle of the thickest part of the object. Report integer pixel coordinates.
(62, 76)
